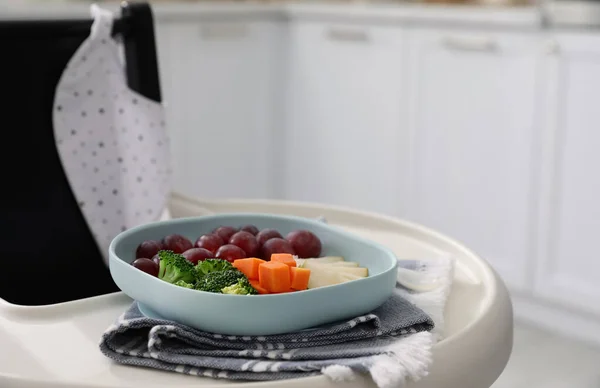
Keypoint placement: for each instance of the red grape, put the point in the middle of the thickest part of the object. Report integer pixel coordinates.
(225, 232)
(156, 259)
(148, 248)
(276, 245)
(230, 253)
(212, 242)
(176, 243)
(266, 234)
(146, 265)
(250, 229)
(195, 255)
(246, 241)
(305, 243)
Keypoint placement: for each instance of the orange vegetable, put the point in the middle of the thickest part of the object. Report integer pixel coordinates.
(274, 276)
(249, 266)
(286, 291)
(257, 286)
(299, 278)
(284, 258)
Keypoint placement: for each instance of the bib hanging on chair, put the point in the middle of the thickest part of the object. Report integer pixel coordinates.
(111, 140)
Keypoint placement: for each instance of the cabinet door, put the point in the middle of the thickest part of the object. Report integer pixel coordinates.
(569, 263)
(344, 141)
(220, 106)
(472, 111)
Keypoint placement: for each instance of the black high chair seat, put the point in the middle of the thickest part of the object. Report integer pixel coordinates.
(47, 251)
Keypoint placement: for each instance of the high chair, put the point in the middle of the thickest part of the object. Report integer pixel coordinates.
(52, 316)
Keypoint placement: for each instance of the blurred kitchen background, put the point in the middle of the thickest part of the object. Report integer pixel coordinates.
(479, 118)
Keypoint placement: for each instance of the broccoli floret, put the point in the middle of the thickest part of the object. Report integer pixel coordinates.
(217, 280)
(182, 283)
(174, 267)
(242, 287)
(212, 265)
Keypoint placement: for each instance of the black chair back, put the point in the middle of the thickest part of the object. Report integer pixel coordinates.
(47, 252)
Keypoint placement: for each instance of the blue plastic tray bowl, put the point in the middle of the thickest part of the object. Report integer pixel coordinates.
(255, 314)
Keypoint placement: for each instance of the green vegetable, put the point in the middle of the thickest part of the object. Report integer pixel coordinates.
(212, 265)
(242, 287)
(182, 283)
(217, 280)
(174, 267)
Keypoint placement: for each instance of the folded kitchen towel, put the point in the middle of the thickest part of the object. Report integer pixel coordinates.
(392, 343)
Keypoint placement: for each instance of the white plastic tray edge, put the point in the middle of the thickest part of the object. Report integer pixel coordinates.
(492, 328)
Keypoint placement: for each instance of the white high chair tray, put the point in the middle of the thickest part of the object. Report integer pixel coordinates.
(56, 346)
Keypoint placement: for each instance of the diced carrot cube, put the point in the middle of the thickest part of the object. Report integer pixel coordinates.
(258, 287)
(249, 266)
(299, 278)
(284, 258)
(285, 292)
(274, 276)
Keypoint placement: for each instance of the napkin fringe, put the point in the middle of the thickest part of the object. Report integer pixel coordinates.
(433, 302)
(339, 373)
(408, 359)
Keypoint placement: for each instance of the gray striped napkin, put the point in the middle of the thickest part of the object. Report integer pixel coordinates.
(395, 334)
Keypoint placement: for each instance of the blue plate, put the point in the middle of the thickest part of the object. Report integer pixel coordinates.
(255, 314)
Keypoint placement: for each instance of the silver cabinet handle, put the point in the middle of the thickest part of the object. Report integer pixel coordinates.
(224, 31)
(470, 44)
(348, 35)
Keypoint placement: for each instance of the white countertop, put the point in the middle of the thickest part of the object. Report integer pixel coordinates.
(523, 17)
(381, 13)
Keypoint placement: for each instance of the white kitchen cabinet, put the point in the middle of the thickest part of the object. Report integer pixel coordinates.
(220, 97)
(344, 141)
(474, 140)
(487, 135)
(568, 268)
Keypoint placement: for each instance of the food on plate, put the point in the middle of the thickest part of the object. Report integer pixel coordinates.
(232, 243)
(147, 249)
(266, 234)
(217, 281)
(212, 265)
(176, 243)
(194, 255)
(328, 271)
(328, 278)
(249, 266)
(242, 287)
(299, 278)
(146, 265)
(250, 229)
(284, 258)
(212, 242)
(256, 284)
(274, 277)
(230, 253)
(225, 232)
(174, 267)
(326, 259)
(337, 267)
(246, 241)
(304, 243)
(275, 245)
(184, 284)
(245, 261)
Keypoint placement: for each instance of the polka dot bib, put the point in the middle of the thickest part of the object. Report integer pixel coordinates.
(111, 140)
